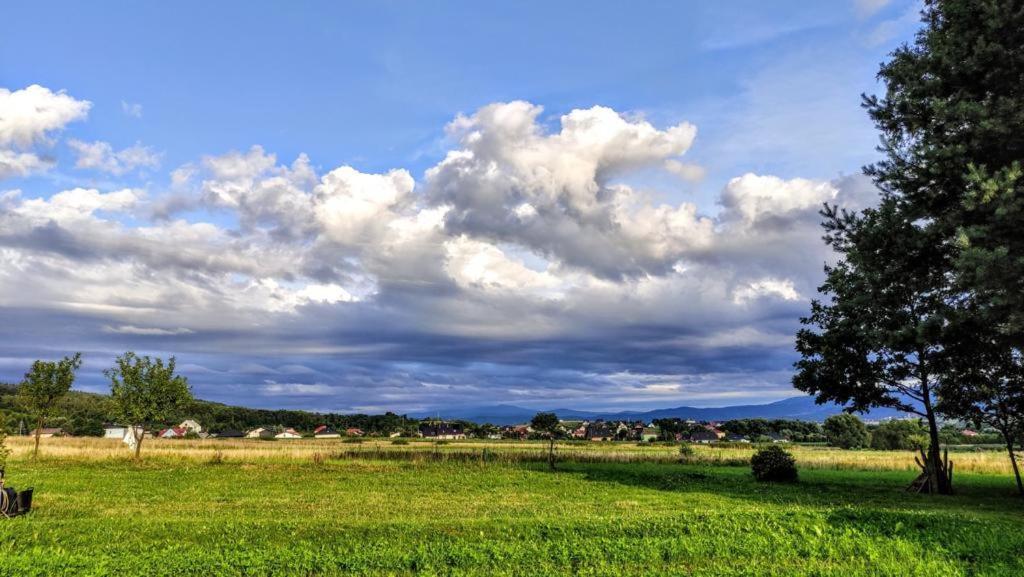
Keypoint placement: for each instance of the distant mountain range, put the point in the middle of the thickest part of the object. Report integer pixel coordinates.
(803, 408)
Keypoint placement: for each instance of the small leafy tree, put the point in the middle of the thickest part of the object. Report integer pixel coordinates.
(774, 464)
(547, 424)
(44, 385)
(876, 340)
(146, 391)
(846, 431)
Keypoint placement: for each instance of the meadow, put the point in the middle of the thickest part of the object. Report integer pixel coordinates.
(241, 507)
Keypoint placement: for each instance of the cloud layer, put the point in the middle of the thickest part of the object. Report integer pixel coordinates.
(531, 264)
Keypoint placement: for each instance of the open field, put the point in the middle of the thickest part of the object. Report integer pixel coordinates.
(968, 460)
(270, 508)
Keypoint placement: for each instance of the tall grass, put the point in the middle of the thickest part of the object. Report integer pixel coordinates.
(253, 450)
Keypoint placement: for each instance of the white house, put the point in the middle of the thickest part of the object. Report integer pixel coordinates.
(191, 426)
(114, 432)
(325, 432)
(255, 433)
(120, 432)
(288, 434)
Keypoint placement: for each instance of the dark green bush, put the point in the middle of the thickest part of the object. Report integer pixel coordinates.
(846, 431)
(774, 464)
(901, 435)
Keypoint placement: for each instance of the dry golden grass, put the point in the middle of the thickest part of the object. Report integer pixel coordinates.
(253, 450)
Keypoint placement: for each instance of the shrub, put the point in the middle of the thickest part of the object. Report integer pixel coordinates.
(400, 442)
(774, 464)
(217, 458)
(685, 453)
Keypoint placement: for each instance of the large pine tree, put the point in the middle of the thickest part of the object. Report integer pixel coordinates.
(952, 126)
(952, 122)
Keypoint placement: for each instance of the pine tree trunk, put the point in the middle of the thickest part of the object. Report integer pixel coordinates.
(1016, 469)
(938, 482)
(938, 479)
(39, 432)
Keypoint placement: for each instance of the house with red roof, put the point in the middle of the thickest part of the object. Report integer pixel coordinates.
(173, 433)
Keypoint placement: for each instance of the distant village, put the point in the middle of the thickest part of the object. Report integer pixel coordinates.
(674, 430)
(597, 430)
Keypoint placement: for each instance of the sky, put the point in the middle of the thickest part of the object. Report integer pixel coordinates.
(372, 206)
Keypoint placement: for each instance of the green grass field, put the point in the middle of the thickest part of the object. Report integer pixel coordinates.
(380, 517)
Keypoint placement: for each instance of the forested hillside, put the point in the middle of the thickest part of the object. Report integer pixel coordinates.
(85, 414)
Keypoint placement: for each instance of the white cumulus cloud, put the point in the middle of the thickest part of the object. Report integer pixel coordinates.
(102, 156)
(28, 118)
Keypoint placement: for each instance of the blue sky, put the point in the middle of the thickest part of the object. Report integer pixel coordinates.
(178, 94)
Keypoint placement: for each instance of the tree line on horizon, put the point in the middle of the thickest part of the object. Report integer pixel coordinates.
(147, 393)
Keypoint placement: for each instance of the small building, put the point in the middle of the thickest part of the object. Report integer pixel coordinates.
(354, 432)
(705, 436)
(191, 426)
(288, 433)
(718, 432)
(520, 432)
(229, 434)
(600, 431)
(649, 434)
(777, 438)
(173, 433)
(442, 430)
(114, 431)
(326, 432)
(736, 438)
(46, 433)
(258, 433)
(969, 433)
(576, 429)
